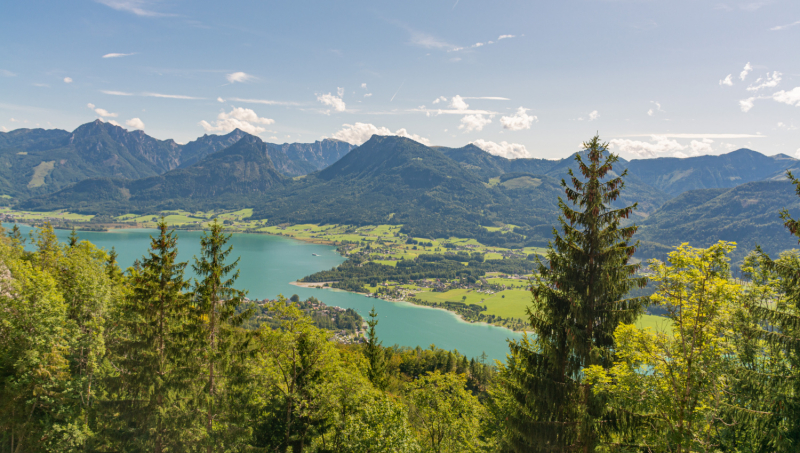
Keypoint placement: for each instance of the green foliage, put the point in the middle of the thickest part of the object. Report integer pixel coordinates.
(375, 354)
(674, 383)
(445, 416)
(578, 301)
(151, 354)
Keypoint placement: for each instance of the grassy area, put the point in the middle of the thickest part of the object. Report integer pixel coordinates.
(40, 172)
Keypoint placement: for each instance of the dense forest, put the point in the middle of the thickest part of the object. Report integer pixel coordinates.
(355, 273)
(94, 358)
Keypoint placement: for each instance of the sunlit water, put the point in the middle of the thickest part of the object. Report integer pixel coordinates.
(269, 263)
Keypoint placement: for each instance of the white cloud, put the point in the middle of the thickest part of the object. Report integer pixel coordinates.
(746, 104)
(67, 79)
(457, 102)
(440, 99)
(340, 92)
(6, 73)
(237, 118)
(491, 98)
(14, 120)
(359, 133)
(117, 55)
(220, 100)
(784, 27)
(239, 77)
(593, 115)
(663, 146)
(747, 68)
(504, 149)
(116, 93)
(263, 101)
(791, 97)
(101, 112)
(367, 95)
(473, 123)
(334, 101)
(727, 81)
(505, 37)
(133, 6)
(658, 108)
(135, 123)
(770, 82)
(797, 153)
(114, 123)
(519, 120)
(700, 136)
(429, 41)
(364, 85)
(169, 96)
(699, 148)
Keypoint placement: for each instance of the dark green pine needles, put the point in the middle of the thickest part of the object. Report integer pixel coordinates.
(578, 302)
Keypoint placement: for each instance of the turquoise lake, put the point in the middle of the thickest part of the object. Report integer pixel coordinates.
(269, 263)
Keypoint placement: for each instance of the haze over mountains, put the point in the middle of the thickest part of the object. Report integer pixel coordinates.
(432, 191)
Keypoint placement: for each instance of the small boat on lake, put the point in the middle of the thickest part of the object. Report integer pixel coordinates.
(314, 254)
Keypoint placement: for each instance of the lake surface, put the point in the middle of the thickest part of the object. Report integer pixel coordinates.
(269, 263)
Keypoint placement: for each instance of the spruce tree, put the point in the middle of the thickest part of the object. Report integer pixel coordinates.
(216, 303)
(16, 235)
(775, 388)
(578, 301)
(73, 238)
(375, 354)
(152, 352)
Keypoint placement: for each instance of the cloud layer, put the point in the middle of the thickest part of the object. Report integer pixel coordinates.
(503, 149)
(238, 118)
(359, 133)
(519, 121)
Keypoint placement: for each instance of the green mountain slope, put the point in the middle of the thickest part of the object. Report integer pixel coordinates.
(229, 178)
(35, 162)
(675, 176)
(747, 214)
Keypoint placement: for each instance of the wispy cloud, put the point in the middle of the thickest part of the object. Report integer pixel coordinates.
(429, 41)
(137, 7)
(6, 73)
(169, 96)
(698, 136)
(151, 95)
(67, 79)
(771, 81)
(754, 6)
(784, 27)
(747, 68)
(101, 112)
(265, 101)
(117, 55)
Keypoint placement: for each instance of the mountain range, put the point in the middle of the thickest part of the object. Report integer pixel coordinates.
(38, 161)
(432, 191)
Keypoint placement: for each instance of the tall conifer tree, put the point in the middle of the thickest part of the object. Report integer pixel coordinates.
(151, 384)
(216, 319)
(578, 302)
(375, 354)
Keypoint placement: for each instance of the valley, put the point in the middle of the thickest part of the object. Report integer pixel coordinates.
(390, 202)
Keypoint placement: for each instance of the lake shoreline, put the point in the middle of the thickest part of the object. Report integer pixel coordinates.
(319, 285)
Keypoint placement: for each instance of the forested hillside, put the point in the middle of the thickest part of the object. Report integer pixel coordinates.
(35, 162)
(94, 358)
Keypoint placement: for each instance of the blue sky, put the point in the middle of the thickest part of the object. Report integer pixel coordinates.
(518, 78)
